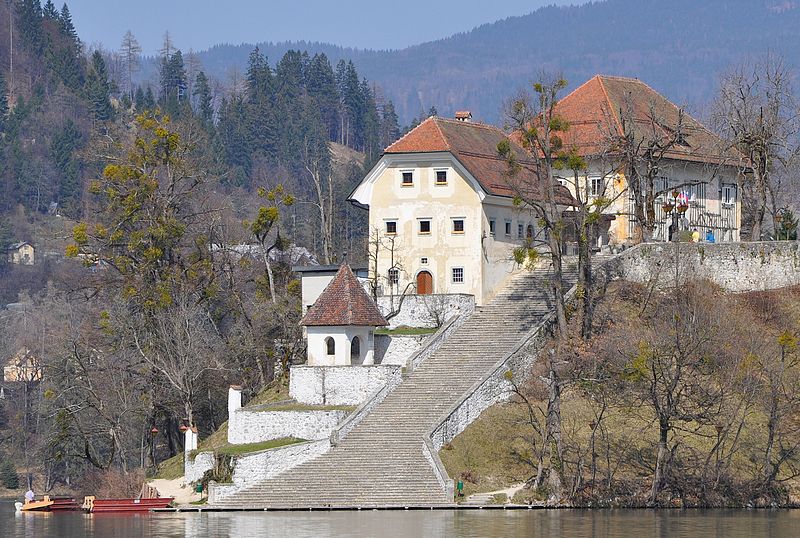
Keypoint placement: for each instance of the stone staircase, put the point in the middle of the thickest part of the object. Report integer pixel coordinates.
(381, 461)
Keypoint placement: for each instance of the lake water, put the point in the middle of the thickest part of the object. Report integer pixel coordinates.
(550, 523)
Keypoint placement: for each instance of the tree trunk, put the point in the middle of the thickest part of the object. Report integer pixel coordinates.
(585, 281)
(660, 461)
(556, 477)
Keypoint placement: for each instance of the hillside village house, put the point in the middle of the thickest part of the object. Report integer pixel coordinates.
(441, 201)
(701, 165)
(21, 253)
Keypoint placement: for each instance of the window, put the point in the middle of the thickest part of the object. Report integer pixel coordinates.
(423, 261)
(425, 226)
(441, 177)
(458, 226)
(330, 346)
(408, 178)
(529, 232)
(520, 229)
(355, 350)
(458, 275)
(728, 194)
(596, 186)
(394, 276)
(391, 227)
(508, 228)
(491, 226)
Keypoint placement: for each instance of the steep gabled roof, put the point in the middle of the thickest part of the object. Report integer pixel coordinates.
(475, 147)
(594, 111)
(344, 302)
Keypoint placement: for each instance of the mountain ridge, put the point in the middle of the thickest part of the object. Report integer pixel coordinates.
(680, 48)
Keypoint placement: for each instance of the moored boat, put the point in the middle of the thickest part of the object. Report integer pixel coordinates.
(94, 505)
(42, 505)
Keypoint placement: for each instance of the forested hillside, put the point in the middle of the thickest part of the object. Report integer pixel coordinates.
(165, 217)
(680, 47)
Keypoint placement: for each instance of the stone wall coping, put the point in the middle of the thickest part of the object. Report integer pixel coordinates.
(341, 431)
(342, 366)
(428, 444)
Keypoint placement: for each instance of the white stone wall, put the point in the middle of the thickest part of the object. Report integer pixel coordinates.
(425, 311)
(250, 469)
(343, 338)
(253, 426)
(194, 469)
(735, 267)
(339, 385)
(391, 349)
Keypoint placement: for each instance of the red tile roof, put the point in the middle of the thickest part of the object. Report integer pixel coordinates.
(594, 111)
(344, 302)
(475, 147)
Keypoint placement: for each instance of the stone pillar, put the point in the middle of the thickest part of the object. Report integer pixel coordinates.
(190, 439)
(234, 399)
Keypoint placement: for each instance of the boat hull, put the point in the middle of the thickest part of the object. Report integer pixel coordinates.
(97, 506)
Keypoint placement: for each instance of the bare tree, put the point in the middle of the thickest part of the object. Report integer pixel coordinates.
(757, 111)
(130, 52)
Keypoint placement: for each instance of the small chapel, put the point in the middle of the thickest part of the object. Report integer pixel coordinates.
(341, 323)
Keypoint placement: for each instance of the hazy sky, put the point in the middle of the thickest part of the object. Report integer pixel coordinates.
(199, 24)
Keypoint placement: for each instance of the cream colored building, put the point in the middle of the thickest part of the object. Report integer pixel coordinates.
(442, 207)
(702, 165)
(21, 253)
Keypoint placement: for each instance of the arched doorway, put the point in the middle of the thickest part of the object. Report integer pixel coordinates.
(355, 350)
(424, 283)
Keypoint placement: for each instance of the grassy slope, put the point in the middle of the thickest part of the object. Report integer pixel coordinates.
(494, 452)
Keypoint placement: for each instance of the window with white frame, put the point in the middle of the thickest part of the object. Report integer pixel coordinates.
(391, 227)
(596, 186)
(424, 226)
(407, 178)
(728, 194)
(508, 228)
(458, 275)
(394, 276)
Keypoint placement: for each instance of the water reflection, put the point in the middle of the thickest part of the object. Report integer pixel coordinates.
(473, 523)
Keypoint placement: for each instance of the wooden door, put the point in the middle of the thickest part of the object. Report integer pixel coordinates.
(424, 283)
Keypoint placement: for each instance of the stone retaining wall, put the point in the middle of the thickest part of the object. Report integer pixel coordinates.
(735, 267)
(390, 349)
(194, 469)
(339, 385)
(256, 426)
(251, 469)
(426, 311)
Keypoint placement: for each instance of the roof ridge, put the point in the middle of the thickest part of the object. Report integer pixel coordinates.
(617, 120)
(439, 130)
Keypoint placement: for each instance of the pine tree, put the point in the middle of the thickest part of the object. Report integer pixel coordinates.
(49, 12)
(173, 84)
(67, 28)
(202, 92)
(149, 99)
(390, 127)
(138, 99)
(370, 123)
(321, 86)
(432, 112)
(29, 22)
(8, 474)
(260, 114)
(98, 90)
(63, 147)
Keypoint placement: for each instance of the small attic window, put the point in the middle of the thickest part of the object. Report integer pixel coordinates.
(441, 177)
(407, 178)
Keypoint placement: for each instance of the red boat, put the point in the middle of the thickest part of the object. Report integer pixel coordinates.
(93, 505)
(63, 504)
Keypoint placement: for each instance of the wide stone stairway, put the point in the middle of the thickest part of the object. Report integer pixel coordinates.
(381, 461)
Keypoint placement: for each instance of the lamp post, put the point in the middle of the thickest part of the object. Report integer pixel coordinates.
(673, 207)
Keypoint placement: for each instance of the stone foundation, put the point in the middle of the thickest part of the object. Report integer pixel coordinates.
(254, 426)
(397, 350)
(425, 311)
(339, 385)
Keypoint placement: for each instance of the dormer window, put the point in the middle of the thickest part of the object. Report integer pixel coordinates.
(407, 178)
(441, 177)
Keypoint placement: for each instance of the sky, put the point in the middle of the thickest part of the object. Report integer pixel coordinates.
(200, 24)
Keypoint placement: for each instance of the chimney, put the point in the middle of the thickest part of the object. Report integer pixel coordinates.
(464, 115)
